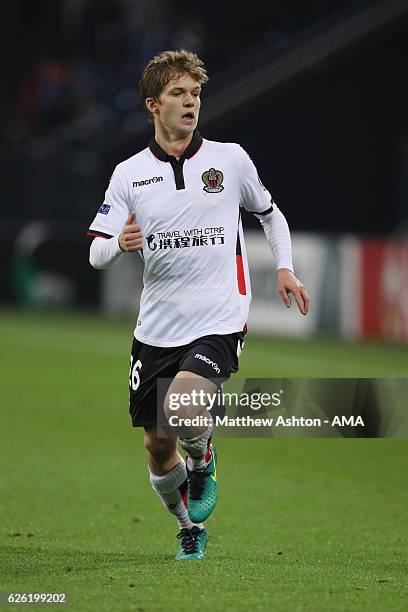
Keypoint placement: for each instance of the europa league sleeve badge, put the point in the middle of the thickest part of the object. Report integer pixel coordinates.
(212, 180)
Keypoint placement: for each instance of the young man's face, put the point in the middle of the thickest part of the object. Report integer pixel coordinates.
(178, 106)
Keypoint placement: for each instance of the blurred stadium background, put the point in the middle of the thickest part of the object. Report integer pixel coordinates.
(314, 92)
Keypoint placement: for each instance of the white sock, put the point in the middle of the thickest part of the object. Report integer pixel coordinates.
(170, 489)
(198, 450)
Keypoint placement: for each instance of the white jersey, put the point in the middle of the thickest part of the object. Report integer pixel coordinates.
(196, 279)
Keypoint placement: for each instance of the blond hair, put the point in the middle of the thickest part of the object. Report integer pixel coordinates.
(169, 65)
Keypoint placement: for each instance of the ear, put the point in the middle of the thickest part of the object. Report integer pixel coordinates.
(151, 105)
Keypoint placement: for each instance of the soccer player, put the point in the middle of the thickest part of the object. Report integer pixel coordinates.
(177, 202)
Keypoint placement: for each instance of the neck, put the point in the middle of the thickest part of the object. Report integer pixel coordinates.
(173, 145)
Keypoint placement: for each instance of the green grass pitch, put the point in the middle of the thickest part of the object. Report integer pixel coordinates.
(302, 524)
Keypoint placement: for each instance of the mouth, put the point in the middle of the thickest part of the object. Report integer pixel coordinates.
(188, 117)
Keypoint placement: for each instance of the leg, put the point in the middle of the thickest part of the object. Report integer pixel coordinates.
(168, 474)
(162, 452)
(168, 477)
(195, 439)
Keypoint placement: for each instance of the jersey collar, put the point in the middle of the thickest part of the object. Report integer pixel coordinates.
(191, 150)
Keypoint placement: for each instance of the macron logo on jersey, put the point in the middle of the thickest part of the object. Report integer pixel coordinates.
(155, 179)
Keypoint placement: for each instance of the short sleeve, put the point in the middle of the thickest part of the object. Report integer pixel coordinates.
(254, 196)
(114, 211)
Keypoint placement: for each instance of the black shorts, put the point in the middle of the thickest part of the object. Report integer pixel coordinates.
(215, 357)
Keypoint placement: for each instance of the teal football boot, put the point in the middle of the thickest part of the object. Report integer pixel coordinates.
(202, 491)
(193, 543)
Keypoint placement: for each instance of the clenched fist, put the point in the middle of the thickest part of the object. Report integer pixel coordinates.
(130, 238)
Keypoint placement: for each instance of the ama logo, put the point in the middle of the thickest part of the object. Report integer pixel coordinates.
(344, 421)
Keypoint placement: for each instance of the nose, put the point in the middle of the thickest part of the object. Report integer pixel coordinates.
(188, 100)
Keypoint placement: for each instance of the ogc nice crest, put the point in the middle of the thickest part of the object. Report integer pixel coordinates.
(212, 180)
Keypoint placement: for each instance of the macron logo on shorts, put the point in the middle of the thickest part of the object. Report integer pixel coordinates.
(207, 360)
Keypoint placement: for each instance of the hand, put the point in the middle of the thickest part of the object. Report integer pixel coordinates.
(288, 283)
(131, 239)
